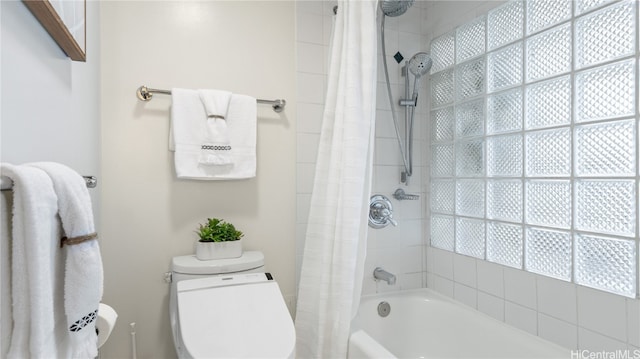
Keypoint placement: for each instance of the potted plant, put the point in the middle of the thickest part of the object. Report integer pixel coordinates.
(218, 240)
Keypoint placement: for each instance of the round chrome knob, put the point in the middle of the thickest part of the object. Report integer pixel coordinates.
(380, 212)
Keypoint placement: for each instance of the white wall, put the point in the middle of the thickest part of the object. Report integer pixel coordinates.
(565, 313)
(50, 106)
(396, 249)
(148, 215)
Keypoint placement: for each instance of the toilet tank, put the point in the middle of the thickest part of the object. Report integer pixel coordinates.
(190, 267)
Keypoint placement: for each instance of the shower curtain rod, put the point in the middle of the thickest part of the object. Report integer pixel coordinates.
(7, 184)
(145, 93)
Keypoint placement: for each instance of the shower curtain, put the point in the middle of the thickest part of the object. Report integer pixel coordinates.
(335, 246)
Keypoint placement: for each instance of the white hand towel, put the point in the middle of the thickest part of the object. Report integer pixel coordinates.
(36, 265)
(186, 136)
(243, 127)
(216, 148)
(83, 282)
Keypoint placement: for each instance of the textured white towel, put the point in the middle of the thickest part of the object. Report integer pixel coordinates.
(83, 281)
(6, 322)
(216, 148)
(188, 129)
(37, 266)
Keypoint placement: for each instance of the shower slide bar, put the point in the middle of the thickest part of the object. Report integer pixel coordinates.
(7, 184)
(145, 93)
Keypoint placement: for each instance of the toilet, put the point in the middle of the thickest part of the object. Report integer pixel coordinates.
(228, 308)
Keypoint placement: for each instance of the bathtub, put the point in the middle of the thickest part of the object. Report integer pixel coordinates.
(424, 324)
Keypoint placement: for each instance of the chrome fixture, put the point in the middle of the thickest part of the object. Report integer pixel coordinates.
(7, 184)
(384, 308)
(380, 212)
(395, 8)
(400, 195)
(418, 65)
(381, 274)
(145, 93)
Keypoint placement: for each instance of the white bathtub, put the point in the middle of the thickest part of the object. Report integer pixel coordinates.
(424, 324)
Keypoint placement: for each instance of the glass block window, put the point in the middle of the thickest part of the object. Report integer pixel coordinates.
(534, 140)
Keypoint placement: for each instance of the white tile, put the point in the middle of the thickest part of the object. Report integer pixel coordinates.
(557, 298)
(465, 295)
(464, 270)
(521, 317)
(309, 118)
(409, 45)
(411, 20)
(558, 331)
(309, 28)
(411, 209)
(602, 312)
(443, 263)
(429, 253)
(387, 152)
(388, 236)
(520, 287)
(491, 305)
(490, 278)
(411, 232)
(310, 88)
(594, 342)
(395, 73)
(309, 6)
(384, 124)
(410, 281)
(443, 286)
(387, 179)
(402, 260)
(633, 321)
(327, 30)
(307, 147)
(303, 203)
(310, 58)
(305, 177)
(301, 231)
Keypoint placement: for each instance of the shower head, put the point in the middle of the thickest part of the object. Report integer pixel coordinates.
(395, 7)
(420, 64)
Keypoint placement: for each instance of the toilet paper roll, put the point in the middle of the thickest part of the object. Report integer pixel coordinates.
(107, 317)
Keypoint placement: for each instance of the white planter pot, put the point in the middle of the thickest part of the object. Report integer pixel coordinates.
(218, 250)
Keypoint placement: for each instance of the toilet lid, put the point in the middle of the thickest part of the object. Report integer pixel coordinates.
(192, 265)
(240, 316)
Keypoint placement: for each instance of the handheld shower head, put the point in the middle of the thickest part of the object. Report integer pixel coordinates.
(420, 64)
(395, 7)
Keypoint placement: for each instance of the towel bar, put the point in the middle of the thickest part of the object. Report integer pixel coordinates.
(7, 184)
(145, 93)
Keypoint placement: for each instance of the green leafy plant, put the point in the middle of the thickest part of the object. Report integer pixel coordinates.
(217, 230)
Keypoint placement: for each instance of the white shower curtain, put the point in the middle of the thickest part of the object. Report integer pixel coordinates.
(335, 246)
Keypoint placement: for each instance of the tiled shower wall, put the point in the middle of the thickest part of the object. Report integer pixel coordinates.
(570, 315)
(562, 312)
(399, 249)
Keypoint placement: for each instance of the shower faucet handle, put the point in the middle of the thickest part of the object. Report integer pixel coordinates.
(388, 216)
(380, 212)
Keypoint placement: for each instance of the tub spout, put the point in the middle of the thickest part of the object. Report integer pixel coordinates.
(382, 274)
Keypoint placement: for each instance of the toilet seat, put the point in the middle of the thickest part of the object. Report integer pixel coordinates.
(235, 316)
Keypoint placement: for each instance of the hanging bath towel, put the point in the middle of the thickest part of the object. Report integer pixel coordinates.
(36, 267)
(83, 280)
